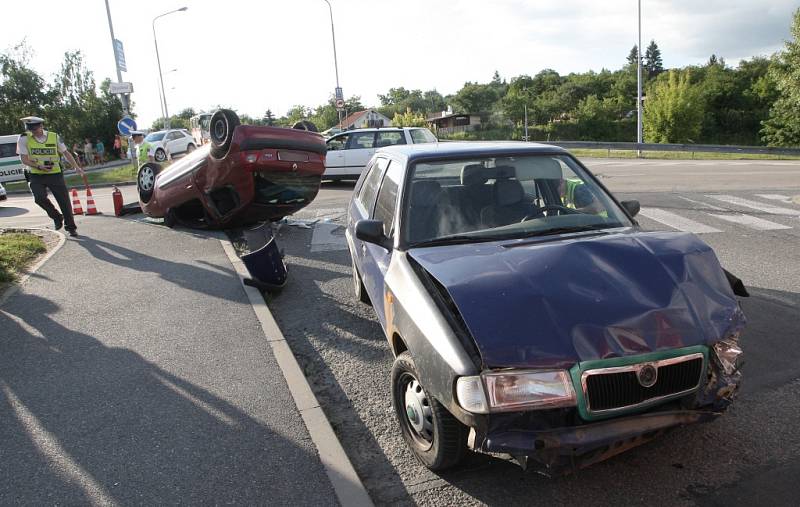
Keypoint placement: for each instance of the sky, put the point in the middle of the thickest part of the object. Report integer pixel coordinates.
(269, 54)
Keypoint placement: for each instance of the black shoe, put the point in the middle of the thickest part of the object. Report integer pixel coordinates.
(58, 223)
(73, 233)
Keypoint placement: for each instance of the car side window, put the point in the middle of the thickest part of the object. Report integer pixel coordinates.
(386, 204)
(370, 187)
(389, 138)
(173, 136)
(422, 136)
(361, 140)
(338, 142)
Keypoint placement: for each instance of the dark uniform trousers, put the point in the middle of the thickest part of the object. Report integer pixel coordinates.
(39, 183)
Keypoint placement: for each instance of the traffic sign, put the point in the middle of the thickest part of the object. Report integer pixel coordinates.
(339, 94)
(125, 125)
(119, 53)
(124, 87)
(339, 104)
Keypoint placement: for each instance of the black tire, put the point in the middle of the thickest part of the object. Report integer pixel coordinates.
(223, 123)
(146, 179)
(358, 287)
(305, 125)
(160, 155)
(438, 440)
(190, 148)
(170, 220)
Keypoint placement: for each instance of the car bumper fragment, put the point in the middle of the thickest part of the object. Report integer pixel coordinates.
(562, 450)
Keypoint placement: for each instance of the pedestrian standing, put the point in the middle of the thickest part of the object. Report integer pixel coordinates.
(88, 150)
(100, 152)
(117, 146)
(40, 151)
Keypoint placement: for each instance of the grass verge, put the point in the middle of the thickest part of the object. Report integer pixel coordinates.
(17, 250)
(677, 155)
(120, 174)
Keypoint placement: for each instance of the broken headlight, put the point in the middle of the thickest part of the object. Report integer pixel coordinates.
(729, 354)
(515, 390)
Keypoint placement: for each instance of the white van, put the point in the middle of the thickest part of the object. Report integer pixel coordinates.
(11, 168)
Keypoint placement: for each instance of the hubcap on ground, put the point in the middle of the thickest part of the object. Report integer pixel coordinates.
(418, 411)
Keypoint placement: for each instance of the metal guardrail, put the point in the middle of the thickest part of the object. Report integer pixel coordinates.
(714, 148)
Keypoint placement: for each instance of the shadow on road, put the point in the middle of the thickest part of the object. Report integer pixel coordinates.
(84, 423)
(11, 211)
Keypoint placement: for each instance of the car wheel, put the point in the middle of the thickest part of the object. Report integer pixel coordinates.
(160, 155)
(146, 180)
(190, 148)
(170, 219)
(358, 287)
(221, 127)
(305, 125)
(436, 438)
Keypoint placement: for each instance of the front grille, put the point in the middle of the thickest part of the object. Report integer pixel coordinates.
(618, 388)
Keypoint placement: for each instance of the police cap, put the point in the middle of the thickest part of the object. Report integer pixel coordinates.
(31, 122)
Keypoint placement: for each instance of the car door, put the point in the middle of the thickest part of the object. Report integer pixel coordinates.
(334, 158)
(173, 142)
(376, 258)
(359, 149)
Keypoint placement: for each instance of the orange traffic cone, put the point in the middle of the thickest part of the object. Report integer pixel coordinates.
(91, 209)
(76, 203)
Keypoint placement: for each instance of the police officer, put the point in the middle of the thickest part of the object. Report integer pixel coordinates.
(41, 152)
(143, 148)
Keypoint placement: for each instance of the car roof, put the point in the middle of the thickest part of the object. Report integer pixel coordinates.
(378, 129)
(458, 149)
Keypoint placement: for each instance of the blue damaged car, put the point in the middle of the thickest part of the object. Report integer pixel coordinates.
(528, 313)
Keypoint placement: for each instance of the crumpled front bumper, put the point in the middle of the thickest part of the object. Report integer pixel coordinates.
(562, 450)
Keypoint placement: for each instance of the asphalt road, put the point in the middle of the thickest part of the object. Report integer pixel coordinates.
(748, 212)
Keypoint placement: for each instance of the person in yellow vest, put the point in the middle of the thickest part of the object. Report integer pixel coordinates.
(41, 152)
(144, 150)
(575, 195)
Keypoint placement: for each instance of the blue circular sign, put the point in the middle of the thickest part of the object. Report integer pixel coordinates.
(125, 125)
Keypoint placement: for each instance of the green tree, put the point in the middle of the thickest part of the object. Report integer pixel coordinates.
(23, 91)
(269, 118)
(782, 128)
(673, 110)
(632, 55)
(409, 119)
(652, 60)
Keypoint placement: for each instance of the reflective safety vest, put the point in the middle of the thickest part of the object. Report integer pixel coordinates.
(569, 191)
(45, 153)
(144, 150)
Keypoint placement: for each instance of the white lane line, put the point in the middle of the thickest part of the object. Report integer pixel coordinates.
(676, 221)
(747, 203)
(705, 205)
(776, 197)
(750, 221)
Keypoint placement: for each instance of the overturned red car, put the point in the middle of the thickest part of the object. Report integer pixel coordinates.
(247, 174)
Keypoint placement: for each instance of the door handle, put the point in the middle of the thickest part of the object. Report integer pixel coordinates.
(363, 249)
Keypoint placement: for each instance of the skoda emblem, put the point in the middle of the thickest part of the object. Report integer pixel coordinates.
(647, 375)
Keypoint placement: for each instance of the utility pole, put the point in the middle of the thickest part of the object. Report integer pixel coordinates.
(124, 98)
(338, 95)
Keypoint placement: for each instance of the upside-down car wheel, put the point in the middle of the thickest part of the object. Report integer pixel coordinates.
(146, 180)
(436, 438)
(221, 127)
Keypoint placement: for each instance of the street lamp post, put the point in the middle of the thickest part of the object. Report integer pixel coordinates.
(639, 85)
(335, 65)
(158, 59)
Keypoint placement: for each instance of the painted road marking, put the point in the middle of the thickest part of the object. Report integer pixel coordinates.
(751, 221)
(705, 205)
(776, 197)
(747, 203)
(676, 221)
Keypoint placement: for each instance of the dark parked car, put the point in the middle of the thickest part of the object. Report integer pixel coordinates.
(528, 313)
(247, 174)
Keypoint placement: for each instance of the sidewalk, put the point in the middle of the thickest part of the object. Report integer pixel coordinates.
(134, 370)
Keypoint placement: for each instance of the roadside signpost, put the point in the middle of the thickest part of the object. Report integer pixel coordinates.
(117, 88)
(120, 55)
(126, 125)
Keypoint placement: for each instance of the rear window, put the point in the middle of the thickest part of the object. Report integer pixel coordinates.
(390, 138)
(360, 140)
(422, 136)
(8, 150)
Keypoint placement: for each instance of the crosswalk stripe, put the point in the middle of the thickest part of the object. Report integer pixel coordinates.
(747, 203)
(676, 221)
(704, 204)
(751, 221)
(776, 197)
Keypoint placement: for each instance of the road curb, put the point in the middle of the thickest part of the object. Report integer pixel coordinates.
(14, 287)
(348, 486)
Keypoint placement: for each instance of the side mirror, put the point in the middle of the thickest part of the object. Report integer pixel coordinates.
(632, 207)
(371, 231)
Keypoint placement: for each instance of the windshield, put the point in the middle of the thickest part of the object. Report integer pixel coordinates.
(155, 136)
(505, 197)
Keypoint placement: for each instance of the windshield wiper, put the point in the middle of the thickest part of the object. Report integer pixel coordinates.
(455, 239)
(566, 230)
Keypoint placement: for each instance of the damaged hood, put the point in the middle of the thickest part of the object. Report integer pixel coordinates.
(552, 302)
